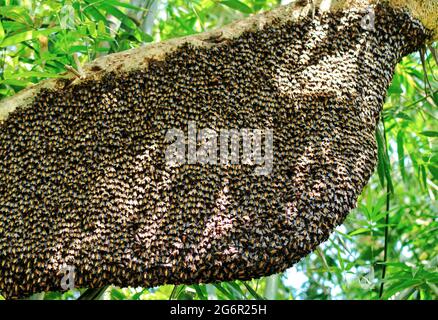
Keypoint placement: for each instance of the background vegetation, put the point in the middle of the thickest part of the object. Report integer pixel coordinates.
(391, 236)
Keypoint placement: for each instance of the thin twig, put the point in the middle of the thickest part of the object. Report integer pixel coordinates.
(388, 198)
(421, 99)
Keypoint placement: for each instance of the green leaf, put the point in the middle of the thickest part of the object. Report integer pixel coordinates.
(404, 116)
(126, 21)
(380, 216)
(383, 158)
(252, 291)
(91, 26)
(201, 294)
(2, 32)
(17, 13)
(433, 166)
(101, 28)
(15, 82)
(433, 134)
(74, 49)
(93, 293)
(187, 24)
(395, 87)
(380, 158)
(400, 286)
(138, 295)
(94, 13)
(124, 5)
(401, 154)
(147, 37)
(117, 295)
(224, 291)
(176, 291)
(237, 5)
(14, 26)
(235, 288)
(358, 231)
(30, 74)
(423, 175)
(377, 207)
(26, 36)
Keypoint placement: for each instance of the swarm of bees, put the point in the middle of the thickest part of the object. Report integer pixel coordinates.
(83, 178)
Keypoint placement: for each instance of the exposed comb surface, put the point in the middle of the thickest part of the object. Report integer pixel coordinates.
(83, 178)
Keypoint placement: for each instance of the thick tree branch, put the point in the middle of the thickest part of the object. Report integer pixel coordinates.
(138, 59)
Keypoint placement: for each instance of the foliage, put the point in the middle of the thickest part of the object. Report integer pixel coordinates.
(396, 213)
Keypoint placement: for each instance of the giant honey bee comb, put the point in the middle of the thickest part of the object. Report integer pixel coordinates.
(83, 176)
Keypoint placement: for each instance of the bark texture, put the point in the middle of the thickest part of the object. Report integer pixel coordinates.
(83, 176)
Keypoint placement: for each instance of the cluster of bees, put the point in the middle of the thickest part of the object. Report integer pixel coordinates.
(84, 182)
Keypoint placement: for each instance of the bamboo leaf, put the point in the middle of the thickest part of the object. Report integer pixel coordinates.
(117, 295)
(16, 82)
(224, 291)
(93, 12)
(138, 295)
(384, 159)
(380, 158)
(400, 286)
(93, 293)
(17, 13)
(404, 116)
(423, 175)
(2, 32)
(252, 291)
(31, 74)
(235, 288)
(401, 154)
(201, 294)
(124, 5)
(433, 134)
(126, 21)
(237, 5)
(26, 36)
(358, 231)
